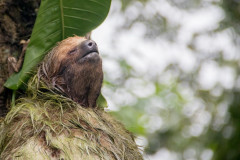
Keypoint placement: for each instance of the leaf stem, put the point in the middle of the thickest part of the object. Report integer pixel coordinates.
(13, 98)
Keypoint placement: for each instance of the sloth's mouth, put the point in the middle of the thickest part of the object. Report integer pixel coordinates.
(91, 56)
(90, 52)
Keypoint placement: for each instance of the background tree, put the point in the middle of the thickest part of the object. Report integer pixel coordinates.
(16, 23)
(174, 76)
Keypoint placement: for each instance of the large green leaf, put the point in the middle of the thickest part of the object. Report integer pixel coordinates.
(57, 20)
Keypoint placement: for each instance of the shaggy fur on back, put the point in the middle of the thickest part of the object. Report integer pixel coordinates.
(45, 125)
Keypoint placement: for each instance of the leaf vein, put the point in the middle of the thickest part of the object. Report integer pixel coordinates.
(72, 28)
(39, 30)
(84, 10)
(78, 18)
(47, 9)
(98, 3)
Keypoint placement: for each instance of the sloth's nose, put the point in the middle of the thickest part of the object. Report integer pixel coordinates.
(90, 44)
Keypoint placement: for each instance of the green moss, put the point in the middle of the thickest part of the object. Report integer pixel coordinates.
(46, 125)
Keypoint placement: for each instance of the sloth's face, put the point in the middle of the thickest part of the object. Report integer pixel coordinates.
(75, 68)
(75, 51)
(78, 50)
(86, 51)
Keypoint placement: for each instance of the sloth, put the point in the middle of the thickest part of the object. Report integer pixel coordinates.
(58, 118)
(74, 68)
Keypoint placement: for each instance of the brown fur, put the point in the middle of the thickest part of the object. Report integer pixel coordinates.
(66, 70)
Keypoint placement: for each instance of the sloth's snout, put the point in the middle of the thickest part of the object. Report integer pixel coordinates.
(90, 45)
(87, 47)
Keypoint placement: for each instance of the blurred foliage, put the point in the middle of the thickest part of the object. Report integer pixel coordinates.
(177, 112)
(227, 146)
(130, 119)
(232, 9)
(126, 3)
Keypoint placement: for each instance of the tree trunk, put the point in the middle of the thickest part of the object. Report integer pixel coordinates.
(16, 22)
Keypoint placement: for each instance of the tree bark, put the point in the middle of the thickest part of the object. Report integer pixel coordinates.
(16, 22)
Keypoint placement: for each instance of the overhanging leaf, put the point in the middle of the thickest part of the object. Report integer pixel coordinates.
(57, 20)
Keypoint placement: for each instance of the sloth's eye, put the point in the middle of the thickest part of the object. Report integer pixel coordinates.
(73, 51)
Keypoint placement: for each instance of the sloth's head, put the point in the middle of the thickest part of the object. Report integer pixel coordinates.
(74, 67)
(76, 51)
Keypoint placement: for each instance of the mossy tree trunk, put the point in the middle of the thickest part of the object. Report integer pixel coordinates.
(16, 22)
